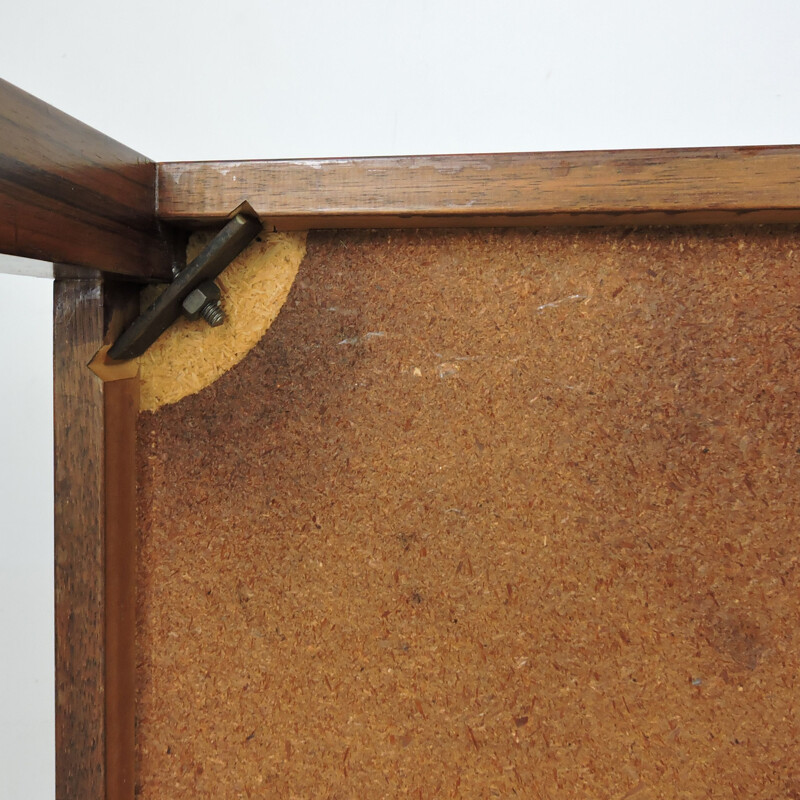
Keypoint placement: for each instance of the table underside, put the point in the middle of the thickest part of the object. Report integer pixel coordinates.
(485, 513)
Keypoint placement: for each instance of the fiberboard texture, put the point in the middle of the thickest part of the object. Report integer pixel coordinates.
(485, 514)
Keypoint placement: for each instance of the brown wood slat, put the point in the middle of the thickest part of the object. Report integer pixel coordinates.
(121, 409)
(622, 187)
(79, 552)
(94, 549)
(69, 193)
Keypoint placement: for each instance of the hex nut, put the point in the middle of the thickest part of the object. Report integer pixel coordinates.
(207, 292)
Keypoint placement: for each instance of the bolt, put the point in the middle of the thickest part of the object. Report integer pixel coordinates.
(213, 314)
(204, 302)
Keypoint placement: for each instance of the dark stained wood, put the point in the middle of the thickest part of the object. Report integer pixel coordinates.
(94, 548)
(69, 193)
(622, 187)
(79, 551)
(121, 407)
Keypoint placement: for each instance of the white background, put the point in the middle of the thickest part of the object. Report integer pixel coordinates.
(206, 80)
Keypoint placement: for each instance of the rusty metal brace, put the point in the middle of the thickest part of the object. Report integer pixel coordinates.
(189, 293)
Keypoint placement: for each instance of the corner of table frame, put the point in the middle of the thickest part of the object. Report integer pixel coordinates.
(70, 195)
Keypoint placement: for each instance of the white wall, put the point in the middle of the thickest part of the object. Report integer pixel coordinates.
(201, 80)
(26, 540)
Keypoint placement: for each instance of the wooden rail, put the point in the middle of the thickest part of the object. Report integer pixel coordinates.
(71, 194)
(95, 545)
(615, 187)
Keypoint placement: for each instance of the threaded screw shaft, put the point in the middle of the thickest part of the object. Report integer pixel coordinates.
(213, 314)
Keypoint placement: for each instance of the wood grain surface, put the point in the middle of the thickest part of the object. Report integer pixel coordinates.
(121, 409)
(94, 548)
(71, 194)
(501, 513)
(614, 187)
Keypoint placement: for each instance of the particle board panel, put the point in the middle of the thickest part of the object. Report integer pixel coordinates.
(485, 513)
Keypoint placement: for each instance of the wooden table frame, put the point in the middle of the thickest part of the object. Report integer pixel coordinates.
(107, 217)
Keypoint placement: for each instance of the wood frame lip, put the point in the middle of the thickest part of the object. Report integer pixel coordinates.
(71, 194)
(602, 187)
